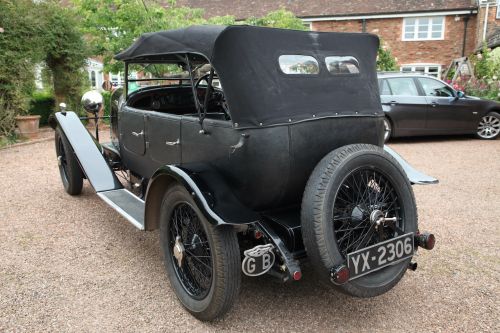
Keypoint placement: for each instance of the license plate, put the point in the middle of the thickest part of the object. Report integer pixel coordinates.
(380, 255)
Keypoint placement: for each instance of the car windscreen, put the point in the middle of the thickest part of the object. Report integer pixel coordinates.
(147, 75)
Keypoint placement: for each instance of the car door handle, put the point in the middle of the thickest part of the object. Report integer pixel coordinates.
(433, 104)
(173, 143)
(393, 102)
(141, 133)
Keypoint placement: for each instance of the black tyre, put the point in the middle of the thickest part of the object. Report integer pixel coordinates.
(69, 168)
(345, 188)
(489, 126)
(202, 261)
(387, 129)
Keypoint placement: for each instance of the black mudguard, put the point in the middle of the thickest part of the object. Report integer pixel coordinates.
(415, 176)
(210, 192)
(88, 152)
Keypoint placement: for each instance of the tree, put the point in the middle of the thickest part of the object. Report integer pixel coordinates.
(113, 25)
(65, 52)
(278, 19)
(20, 49)
(385, 60)
(37, 32)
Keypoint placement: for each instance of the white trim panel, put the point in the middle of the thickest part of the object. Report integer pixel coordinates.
(382, 16)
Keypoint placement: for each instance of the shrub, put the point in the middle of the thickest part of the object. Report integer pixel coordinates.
(489, 89)
(42, 104)
(385, 61)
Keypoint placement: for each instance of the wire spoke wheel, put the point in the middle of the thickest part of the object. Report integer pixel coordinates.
(489, 127)
(202, 260)
(191, 251)
(363, 192)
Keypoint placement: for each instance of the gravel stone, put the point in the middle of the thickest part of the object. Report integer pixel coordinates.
(71, 264)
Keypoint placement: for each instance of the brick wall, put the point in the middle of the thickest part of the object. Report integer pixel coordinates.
(493, 24)
(409, 52)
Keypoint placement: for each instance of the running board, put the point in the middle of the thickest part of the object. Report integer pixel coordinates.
(127, 204)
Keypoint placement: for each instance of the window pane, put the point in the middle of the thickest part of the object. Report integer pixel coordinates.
(423, 21)
(93, 79)
(422, 35)
(403, 86)
(410, 28)
(342, 65)
(437, 20)
(298, 64)
(437, 27)
(409, 21)
(409, 35)
(435, 88)
(384, 87)
(436, 34)
(406, 69)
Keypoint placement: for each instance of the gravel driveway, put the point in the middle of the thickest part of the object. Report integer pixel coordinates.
(73, 264)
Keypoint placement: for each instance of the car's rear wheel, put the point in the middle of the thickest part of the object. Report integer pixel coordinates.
(345, 190)
(202, 261)
(387, 129)
(489, 126)
(69, 168)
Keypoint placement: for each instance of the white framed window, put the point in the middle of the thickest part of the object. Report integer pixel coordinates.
(430, 69)
(423, 28)
(116, 79)
(498, 9)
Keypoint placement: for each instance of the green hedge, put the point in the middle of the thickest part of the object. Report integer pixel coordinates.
(106, 95)
(42, 104)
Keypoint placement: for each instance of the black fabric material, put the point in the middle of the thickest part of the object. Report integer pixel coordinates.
(196, 39)
(257, 92)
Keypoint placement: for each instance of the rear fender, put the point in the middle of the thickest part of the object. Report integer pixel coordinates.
(208, 189)
(415, 176)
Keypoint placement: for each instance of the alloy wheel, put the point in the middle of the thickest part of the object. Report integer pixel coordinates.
(489, 127)
(387, 130)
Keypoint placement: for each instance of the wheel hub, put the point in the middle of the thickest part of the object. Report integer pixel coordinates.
(378, 218)
(179, 251)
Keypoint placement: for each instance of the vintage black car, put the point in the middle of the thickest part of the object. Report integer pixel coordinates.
(252, 149)
(417, 104)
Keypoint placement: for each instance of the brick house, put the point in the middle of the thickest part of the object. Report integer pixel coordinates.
(423, 35)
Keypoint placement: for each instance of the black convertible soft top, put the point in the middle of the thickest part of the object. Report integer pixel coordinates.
(257, 91)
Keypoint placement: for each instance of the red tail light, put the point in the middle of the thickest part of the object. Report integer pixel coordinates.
(425, 240)
(339, 274)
